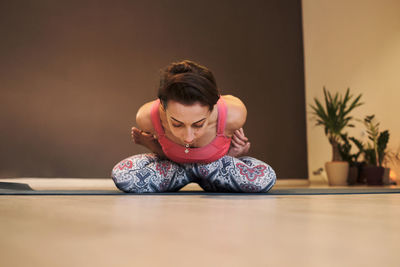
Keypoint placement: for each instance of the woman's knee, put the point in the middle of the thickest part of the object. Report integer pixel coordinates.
(147, 173)
(131, 175)
(257, 176)
(230, 174)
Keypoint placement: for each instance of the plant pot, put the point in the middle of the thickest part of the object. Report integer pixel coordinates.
(373, 175)
(337, 172)
(360, 178)
(353, 175)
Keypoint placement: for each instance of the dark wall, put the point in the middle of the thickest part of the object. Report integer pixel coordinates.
(74, 73)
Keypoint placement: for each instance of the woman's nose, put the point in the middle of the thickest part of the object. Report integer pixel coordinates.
(188, 137)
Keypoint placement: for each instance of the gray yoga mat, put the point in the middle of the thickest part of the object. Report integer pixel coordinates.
(25, 189)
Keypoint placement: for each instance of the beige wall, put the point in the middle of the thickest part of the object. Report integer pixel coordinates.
(352, 44)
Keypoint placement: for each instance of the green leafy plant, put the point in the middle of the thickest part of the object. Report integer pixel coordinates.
(375, 152)
(335, 116)
(345, 149)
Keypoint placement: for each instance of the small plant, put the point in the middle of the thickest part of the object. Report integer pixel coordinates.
(335, 116)
(345, 149)
(375, 153)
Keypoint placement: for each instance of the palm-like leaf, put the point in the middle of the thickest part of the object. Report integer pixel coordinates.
(334, 117)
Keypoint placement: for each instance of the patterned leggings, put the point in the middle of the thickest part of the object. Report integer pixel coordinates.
(147, 173)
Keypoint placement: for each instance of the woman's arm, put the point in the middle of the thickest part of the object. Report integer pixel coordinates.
(145, 134)
(236, 114)
(236, 118)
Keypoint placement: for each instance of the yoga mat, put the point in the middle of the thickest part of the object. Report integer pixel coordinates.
(24, 189)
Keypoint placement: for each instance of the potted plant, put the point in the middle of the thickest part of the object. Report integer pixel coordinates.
(352, 158)
(334, 117)
(374, 154)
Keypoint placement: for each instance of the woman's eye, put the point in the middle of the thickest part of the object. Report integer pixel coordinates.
(180, 125)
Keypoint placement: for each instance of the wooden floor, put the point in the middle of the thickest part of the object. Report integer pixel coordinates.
(204, 230)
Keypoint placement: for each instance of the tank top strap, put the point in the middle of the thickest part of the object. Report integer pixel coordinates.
(222, 111)
(155, 117)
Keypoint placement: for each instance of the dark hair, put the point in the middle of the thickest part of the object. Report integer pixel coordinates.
(188, 82)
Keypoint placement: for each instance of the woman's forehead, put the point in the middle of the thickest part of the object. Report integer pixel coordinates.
(187, 113)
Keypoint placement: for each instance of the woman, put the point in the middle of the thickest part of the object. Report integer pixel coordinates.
(195, 135)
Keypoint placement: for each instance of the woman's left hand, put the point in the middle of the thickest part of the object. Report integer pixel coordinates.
(240, 144)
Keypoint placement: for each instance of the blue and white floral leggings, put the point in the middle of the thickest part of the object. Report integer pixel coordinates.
(147, 173)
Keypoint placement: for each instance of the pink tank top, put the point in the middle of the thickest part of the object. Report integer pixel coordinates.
(180, 154)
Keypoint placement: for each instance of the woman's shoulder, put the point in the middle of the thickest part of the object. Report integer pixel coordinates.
(143, 117)
(236, 113)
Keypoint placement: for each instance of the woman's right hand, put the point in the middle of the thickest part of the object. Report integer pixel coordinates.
(142, 138)
(147, 140)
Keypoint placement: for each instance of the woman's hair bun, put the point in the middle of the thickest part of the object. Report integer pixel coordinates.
(180, 67)
(188, 82)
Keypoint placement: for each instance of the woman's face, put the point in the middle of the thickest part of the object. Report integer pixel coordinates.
(187, 122)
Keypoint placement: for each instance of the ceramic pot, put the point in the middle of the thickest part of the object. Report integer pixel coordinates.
(337, 172)
(353, 175)
(373, 175)
(360, 178)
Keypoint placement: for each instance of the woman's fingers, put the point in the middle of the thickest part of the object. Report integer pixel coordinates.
(239, 137)
(239, 141)
(147, 135)
(237, 150)
(240, 134)
(233, 143)
(136, 135)
(135, 131)
(246, 148)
